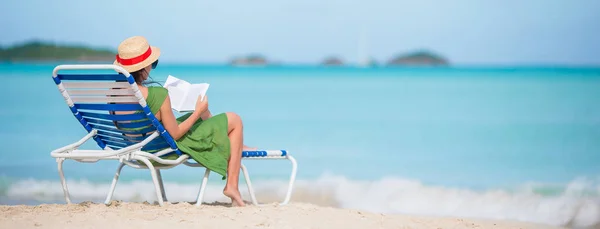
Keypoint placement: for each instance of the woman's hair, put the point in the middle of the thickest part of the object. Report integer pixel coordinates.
(139, 76)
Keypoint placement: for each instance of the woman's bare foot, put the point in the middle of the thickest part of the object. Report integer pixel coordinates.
(248, 148)
(236, 198)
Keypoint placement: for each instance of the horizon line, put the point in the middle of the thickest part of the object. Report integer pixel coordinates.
(318, 62)
(349, 65)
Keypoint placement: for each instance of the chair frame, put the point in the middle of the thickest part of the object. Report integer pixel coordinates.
(131, 154)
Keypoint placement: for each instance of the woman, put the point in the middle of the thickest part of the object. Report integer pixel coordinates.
(214, 141)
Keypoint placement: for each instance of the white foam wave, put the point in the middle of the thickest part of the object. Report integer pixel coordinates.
(576, 205)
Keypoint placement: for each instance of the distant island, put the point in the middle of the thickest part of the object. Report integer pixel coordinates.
(46, 51)
(332, 61)
(419, 58)
(250, 60)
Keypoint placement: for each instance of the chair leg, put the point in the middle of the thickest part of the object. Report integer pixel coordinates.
(161, 185)
(249, 184)
(114, 184)
(154, 178)
(60, 161)
(202, 188)
(292, 179)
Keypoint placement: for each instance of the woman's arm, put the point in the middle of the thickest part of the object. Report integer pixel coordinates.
(170, 123)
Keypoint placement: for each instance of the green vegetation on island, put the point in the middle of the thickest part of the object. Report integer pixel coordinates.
(46, 51)
(419, 58)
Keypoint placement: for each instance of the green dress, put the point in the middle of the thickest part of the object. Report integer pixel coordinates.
(206, 142)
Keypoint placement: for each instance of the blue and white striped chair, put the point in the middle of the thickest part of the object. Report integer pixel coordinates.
(113, 111)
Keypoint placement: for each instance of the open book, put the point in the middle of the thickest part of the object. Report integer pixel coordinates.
(183, 94)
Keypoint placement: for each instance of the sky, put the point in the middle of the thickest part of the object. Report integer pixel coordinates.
(467, 32)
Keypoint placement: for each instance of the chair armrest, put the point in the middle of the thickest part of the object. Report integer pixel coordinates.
(75, 145)
(105, 153)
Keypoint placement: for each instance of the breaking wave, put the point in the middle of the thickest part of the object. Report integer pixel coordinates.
(576, 204)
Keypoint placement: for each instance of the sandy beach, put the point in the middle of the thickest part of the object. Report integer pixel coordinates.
(183, 215)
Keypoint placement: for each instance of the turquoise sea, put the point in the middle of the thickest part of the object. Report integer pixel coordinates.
(519, 143)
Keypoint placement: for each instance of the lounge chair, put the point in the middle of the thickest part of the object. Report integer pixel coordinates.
(108, 104)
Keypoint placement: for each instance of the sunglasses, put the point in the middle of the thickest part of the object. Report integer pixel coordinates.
(154, 64)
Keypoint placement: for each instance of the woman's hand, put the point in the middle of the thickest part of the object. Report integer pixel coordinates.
(201, 105)
(176, 129)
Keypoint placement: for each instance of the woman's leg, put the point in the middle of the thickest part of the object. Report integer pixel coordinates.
(236, 139)
(206, 115)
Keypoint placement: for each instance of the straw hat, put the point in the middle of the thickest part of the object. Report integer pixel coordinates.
(135, 53)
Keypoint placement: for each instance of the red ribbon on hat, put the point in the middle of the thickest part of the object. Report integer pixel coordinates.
(135, 60)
